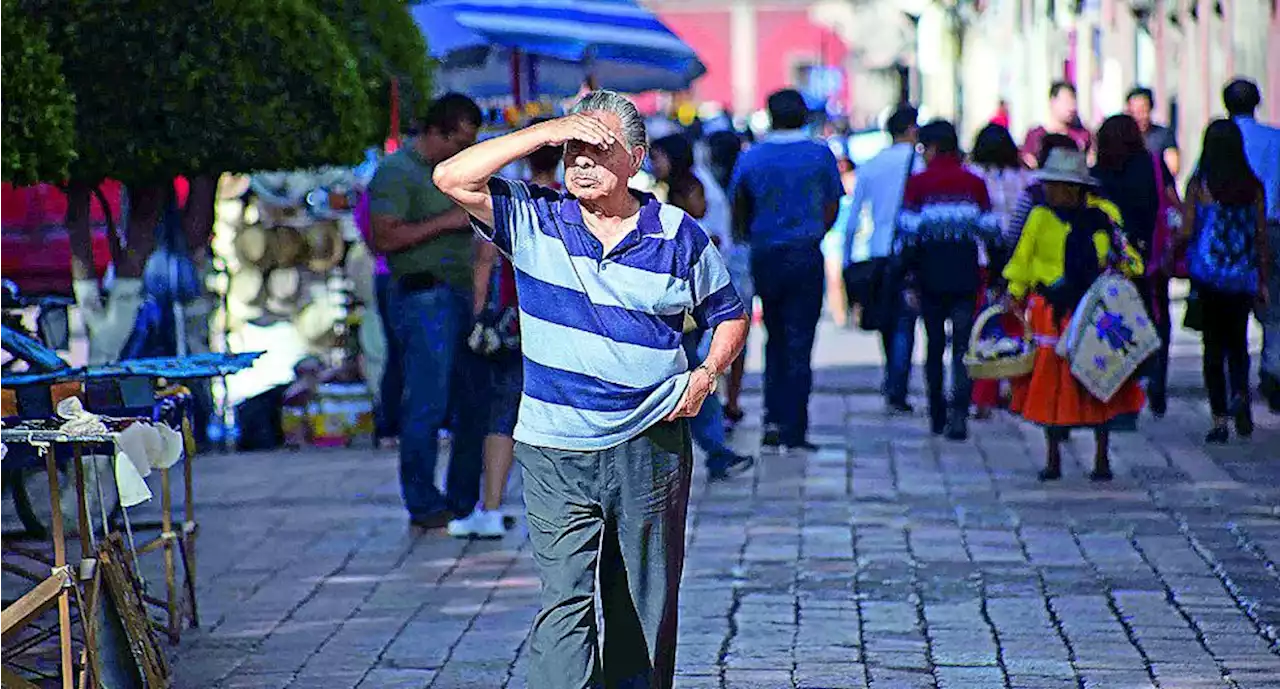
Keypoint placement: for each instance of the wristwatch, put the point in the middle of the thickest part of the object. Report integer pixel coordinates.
(715, 380)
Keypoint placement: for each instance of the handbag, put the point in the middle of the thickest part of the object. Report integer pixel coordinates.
(1109, 336)
(1165, 258)
(872, 283)
(865, 284)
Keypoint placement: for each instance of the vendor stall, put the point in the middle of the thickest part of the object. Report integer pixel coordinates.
(102, 430)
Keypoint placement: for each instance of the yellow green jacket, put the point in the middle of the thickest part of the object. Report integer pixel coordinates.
(1041, 251)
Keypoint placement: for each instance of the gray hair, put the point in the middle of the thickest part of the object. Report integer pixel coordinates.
(618, 104)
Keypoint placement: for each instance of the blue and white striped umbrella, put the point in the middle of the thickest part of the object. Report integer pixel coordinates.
(615, 43)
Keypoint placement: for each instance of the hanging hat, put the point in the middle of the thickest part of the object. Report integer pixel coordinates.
(1066, 165)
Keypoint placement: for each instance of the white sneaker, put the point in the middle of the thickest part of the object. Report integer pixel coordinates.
(479, 524)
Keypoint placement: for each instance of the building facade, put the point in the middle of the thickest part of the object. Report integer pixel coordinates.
(754, 47)
(1184, 50)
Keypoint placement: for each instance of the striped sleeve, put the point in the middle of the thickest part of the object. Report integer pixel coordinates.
(1021, 211)
(514, 213)
(714, 298)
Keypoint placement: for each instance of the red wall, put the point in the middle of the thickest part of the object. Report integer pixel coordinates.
(784, 36)
(708, 33)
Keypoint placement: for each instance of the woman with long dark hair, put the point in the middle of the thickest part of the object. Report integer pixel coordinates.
(995, 159)
(1229, 266)
(1135, 180)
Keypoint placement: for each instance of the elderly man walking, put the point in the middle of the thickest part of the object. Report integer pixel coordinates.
(606, 278)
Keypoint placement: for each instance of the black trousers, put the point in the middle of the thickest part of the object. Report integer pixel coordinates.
(1225, 338)
(1155, 294)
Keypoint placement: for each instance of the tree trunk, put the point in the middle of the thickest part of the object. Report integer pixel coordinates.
(145, 205)
(80, 230)
(197, 227)
(198, 216)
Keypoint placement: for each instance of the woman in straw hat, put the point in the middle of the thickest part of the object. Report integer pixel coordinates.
(1065, 246)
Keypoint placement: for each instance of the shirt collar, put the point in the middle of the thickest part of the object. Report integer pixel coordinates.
(571, 211)
(787, 136)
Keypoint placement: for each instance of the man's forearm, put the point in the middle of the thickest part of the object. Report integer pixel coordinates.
(470, 169)
(390, 236)
(727, 342)
(482, 266)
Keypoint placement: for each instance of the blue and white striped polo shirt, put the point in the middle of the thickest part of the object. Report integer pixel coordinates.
(601, 334)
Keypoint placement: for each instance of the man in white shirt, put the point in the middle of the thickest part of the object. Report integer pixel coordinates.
(1262, 146)
(880, 183)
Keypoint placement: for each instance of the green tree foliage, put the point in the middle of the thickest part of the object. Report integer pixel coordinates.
(386, 43)
(39, 112)
(203, 86)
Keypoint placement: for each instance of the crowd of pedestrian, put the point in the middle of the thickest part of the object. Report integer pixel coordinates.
(1032, 230)
(925, 234)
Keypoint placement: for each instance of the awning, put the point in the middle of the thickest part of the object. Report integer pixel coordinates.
(614, 44)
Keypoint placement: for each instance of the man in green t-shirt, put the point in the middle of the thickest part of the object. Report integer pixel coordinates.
(428, 243)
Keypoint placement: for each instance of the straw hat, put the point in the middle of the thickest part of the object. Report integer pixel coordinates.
(1066, 165)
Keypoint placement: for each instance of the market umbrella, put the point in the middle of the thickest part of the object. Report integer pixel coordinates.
(613, 44)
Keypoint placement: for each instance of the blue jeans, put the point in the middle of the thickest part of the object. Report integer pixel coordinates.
(789, 281)
(388, 410)
(898, 343)
(708, 426)
(440, 373)
(936, 310)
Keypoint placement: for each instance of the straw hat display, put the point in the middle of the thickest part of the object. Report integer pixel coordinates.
(325, 247)
(251, 244)
(282, 236)
(287, 247)
(284, 291)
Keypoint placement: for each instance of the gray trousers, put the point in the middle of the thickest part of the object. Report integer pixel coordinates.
(619, 514)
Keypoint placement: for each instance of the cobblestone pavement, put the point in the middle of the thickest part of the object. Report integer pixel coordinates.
(887, 559)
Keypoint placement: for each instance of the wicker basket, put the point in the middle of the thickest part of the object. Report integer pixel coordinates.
(1002, 368)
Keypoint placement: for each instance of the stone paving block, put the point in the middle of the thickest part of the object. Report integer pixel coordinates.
(242, 680)
(396, 678)
(969, 677)
(830, 676)
(1111, 679)
(689, 682)
(901, 679)
(328, 680)
(1039, 682)
(757, 678)
(898, 660)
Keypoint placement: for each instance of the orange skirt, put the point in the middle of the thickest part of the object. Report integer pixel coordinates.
(1051, 396)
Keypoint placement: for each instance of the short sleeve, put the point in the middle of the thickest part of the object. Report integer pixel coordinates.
(715, 300)
(389, 193)
(514, 212)
(1031, 145)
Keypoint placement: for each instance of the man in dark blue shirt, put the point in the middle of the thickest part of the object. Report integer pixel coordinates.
(786, 191)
